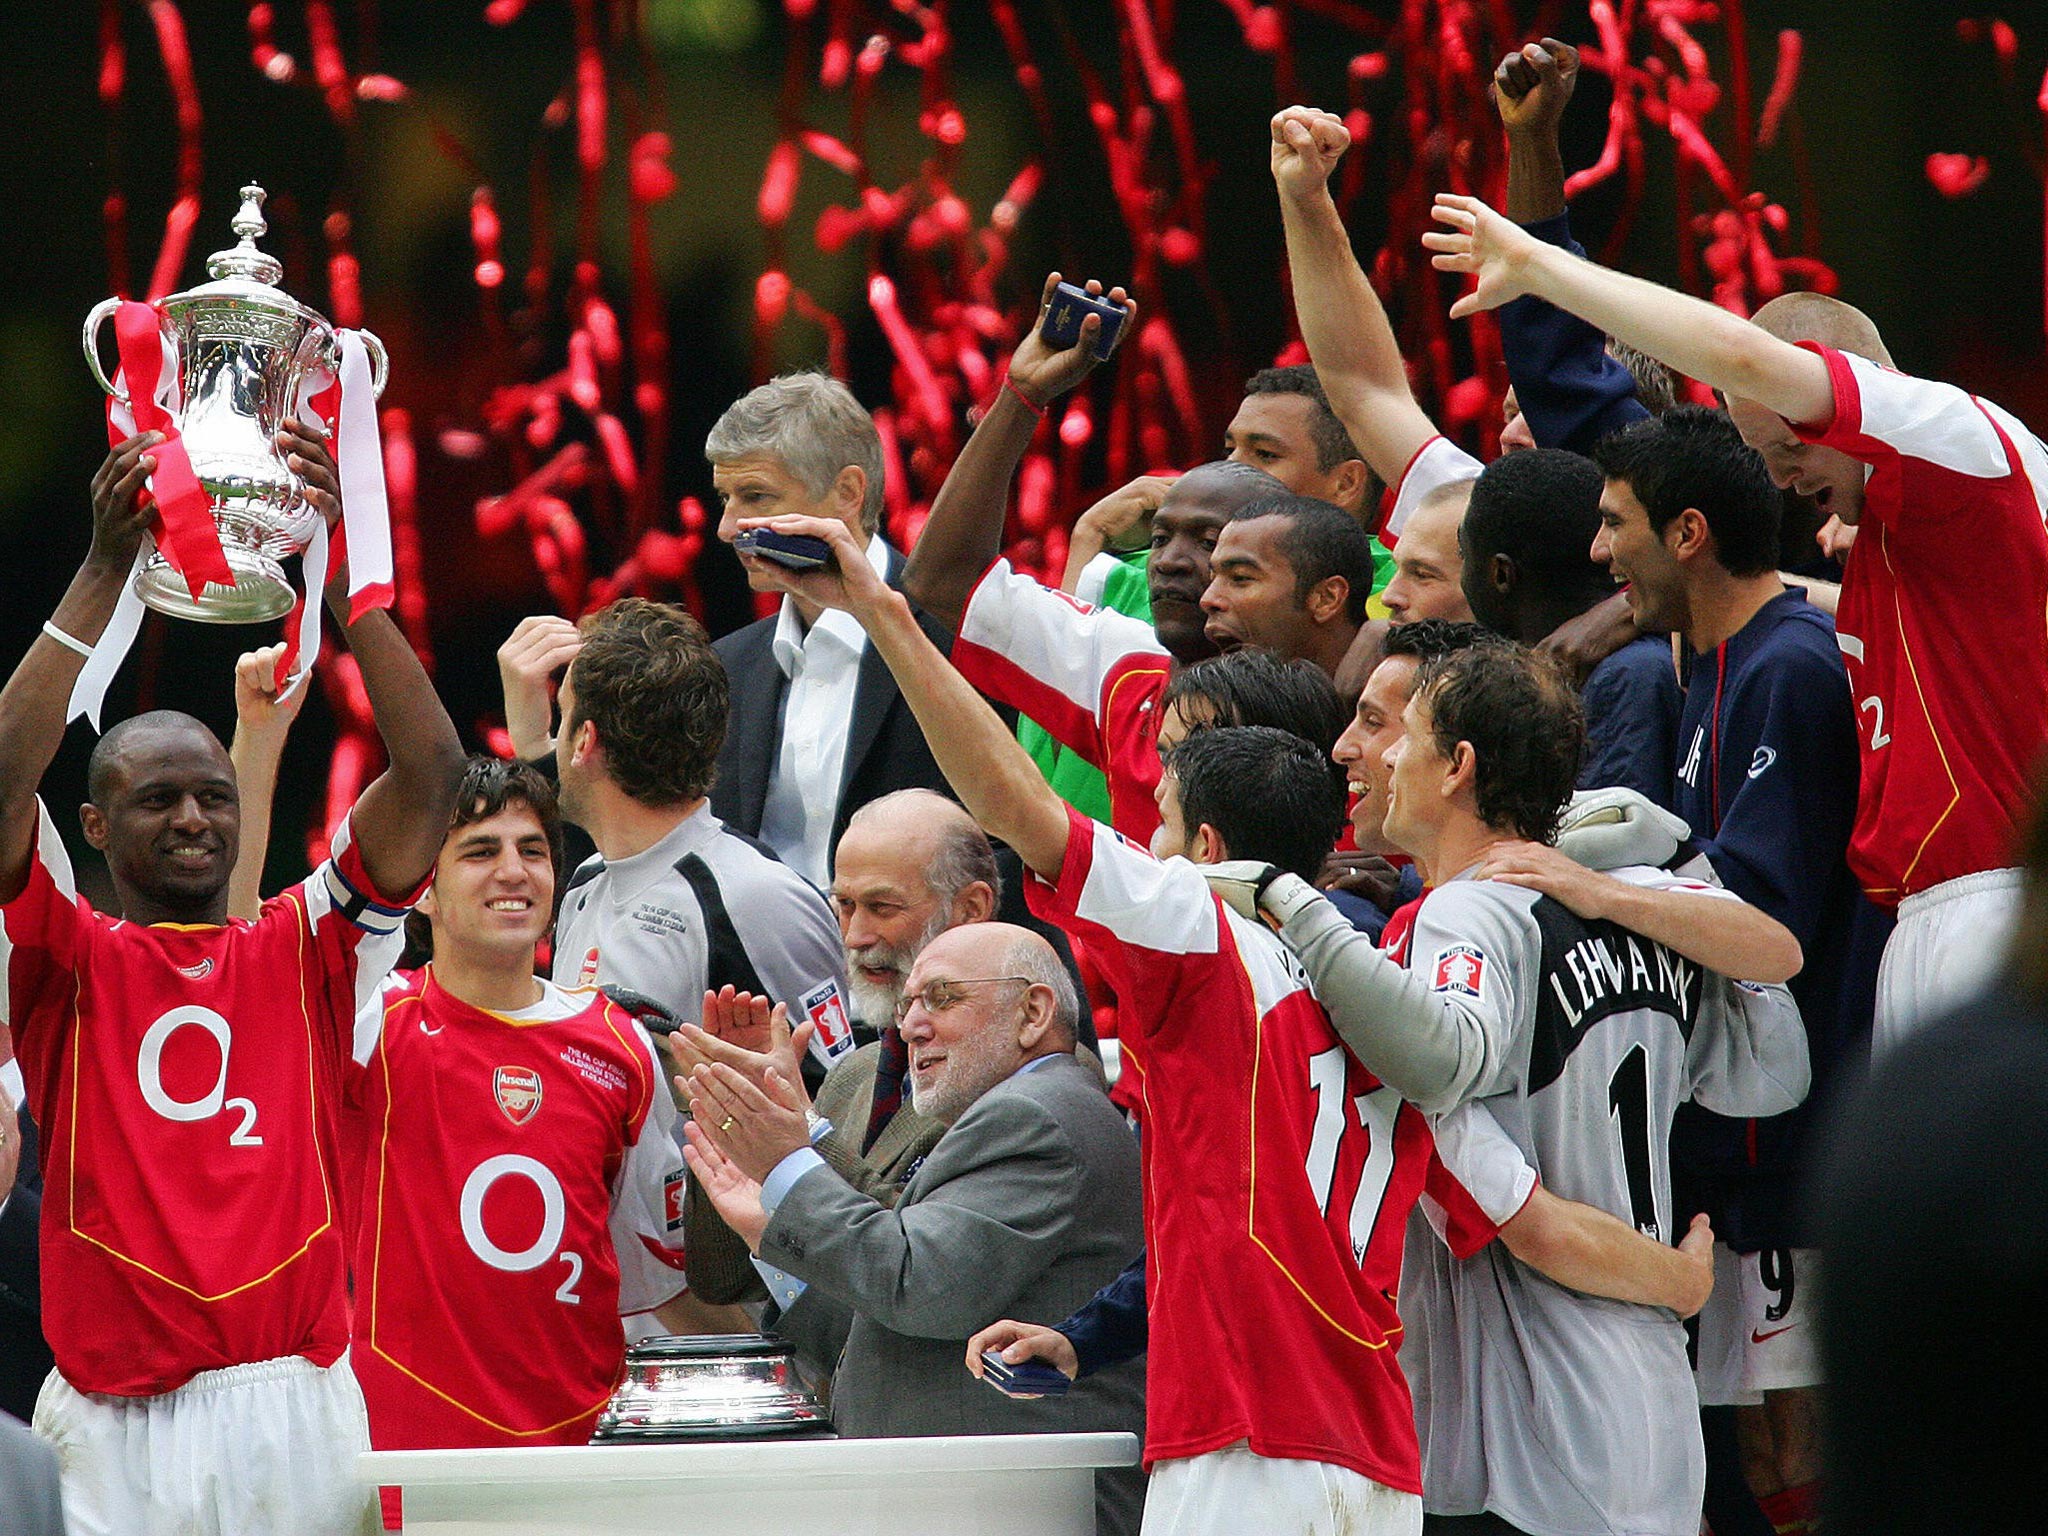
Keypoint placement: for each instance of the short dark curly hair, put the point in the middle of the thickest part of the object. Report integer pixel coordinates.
(1521, 715)
(1256, 687)
(1269, 794)
(1333, 443)
(489, 784)
(650, 682)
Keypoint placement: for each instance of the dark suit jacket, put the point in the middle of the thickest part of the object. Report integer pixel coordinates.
(885, 750)
(1025, 1208)
(24, 1355)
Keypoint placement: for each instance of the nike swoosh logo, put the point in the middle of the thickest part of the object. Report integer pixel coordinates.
(1758, 1338)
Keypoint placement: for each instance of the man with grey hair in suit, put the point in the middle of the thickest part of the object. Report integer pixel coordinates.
(818, 727)
(911, 865)
(1027, 1204)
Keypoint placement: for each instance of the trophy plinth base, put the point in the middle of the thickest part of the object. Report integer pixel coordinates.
(260, 592)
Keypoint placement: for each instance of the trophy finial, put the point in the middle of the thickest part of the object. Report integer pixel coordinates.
(249, 223)
(245, 260)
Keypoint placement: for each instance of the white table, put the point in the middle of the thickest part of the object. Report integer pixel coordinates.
(957, 1485)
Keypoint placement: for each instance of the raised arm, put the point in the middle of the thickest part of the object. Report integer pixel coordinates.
(402, 819)
(1698, 339)
(262, 722)
(38, 696)
(1349, 337)
(1531, 88)
(964, 531)
(1570, 391)
(994, 777)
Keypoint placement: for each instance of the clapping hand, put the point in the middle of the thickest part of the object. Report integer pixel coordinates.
(755, 1128)
(743, 1032)
(735, 1197)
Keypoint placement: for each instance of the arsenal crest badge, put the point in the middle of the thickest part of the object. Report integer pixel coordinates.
(517, 1090)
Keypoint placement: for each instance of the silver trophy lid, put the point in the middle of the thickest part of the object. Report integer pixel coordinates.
(245, 261)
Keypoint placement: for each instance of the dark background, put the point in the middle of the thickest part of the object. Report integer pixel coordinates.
(1956, 286)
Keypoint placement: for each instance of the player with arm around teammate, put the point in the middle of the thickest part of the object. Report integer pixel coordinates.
(1252, 1258)
(1536, 988)
(193, 1291)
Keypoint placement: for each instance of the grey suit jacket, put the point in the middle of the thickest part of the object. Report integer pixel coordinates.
(28, 1483)
(1025, 1208)
(719, 1269)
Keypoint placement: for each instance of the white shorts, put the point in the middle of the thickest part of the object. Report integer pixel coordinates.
(267, 1447)
(1232, 1491)
(1757, 1331)
(1950, 942)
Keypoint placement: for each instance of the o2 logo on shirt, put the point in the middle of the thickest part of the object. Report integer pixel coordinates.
(149, 1075)
(1461, 968)
(553, 1218)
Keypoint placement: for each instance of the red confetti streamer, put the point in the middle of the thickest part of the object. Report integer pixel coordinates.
(1957, 175)
(1786, 81)
(329, 71)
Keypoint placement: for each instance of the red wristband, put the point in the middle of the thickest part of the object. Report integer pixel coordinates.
(1011, 385)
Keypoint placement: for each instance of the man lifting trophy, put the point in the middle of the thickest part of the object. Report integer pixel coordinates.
(185, 1068)
(218, 371)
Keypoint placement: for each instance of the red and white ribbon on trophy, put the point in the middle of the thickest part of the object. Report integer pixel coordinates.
(183, 528)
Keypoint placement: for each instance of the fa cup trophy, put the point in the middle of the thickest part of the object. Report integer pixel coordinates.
(245, 355)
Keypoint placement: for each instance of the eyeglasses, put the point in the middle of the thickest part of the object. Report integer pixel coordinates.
(938, 996)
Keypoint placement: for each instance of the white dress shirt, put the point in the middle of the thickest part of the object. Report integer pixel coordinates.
(823, 668)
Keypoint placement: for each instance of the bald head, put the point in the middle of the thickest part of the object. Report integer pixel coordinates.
(1816, 317)
(909, 866)
(1004, 949)
(921, 831)
(984, 999)
(150, 736)
(166, 813)
(1222, 486)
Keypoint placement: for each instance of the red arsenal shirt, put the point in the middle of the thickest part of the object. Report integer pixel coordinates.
(187, 1083)
(1279, 1174)
(1092, 677)
(1943, 624)
(520, 1190)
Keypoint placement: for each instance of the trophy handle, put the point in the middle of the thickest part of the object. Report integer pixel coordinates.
(380, 362)
(93, 322)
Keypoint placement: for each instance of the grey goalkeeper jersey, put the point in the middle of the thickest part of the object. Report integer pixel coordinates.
(701, 909)
(1562, 1413)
